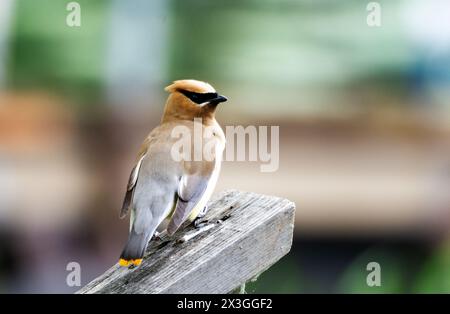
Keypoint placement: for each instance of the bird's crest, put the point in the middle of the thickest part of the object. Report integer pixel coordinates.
(191, 86)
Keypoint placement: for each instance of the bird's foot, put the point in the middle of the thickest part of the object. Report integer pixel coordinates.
(199, 223)
(203, 212)
(156, 236)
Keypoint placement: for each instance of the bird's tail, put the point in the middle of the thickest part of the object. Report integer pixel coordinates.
(134, 250)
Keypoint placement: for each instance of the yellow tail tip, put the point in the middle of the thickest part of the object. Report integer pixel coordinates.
(128, 262)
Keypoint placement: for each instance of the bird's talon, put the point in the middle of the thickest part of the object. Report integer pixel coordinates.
(200, 223)
(156, 236)
(203, 212)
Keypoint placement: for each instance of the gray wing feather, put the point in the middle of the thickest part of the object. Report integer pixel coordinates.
(190, 191)
(130, 188)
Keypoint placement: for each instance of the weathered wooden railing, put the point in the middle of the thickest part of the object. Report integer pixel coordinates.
(251, 233)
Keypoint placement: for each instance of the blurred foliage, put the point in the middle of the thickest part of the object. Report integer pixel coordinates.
(298, 54)
(435, 275)
(264, 51)
(283, 277)
(393, 273)
(283, 42)
(45, 52)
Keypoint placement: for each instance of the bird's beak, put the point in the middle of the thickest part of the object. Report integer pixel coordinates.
(218, 99)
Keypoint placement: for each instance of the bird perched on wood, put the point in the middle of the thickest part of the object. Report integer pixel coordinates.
(161, 186)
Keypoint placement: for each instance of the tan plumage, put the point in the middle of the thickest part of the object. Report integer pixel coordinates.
(160, 187)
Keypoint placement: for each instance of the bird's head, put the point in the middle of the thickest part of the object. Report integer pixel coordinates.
(189, 99)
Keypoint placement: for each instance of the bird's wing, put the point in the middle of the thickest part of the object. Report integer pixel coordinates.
(133, 179)
(190, 192)
(195, 186)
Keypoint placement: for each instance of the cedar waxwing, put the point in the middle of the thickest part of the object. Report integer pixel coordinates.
(161, 186)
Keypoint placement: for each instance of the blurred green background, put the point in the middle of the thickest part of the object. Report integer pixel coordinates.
(364, 116)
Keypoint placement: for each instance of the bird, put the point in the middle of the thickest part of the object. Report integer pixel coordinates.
(163, 188)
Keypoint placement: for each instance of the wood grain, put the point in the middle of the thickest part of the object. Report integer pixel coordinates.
(255, 233)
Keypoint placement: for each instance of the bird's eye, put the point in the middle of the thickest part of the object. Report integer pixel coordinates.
(195, 98)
